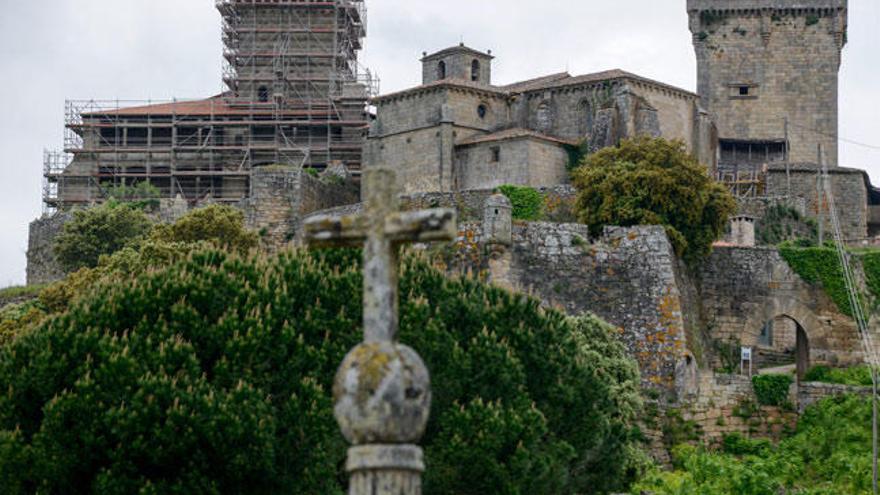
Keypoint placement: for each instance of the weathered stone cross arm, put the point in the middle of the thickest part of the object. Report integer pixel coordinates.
(434, 225)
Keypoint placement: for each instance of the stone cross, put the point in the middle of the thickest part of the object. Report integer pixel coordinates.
(382, 390)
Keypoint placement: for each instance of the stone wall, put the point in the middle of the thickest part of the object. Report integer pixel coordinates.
(524, 161)
(757, 207)
(628, 277)
(42, 267)
(743, 289)
(848, 185)
(281, 196)
(787, 53)
(727, 404)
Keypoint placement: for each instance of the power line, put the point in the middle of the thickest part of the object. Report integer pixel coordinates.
(835, 136)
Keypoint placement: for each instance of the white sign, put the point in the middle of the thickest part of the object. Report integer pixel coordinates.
(746, 353)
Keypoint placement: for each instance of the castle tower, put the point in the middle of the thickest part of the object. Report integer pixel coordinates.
(762, 63)
(298, 62)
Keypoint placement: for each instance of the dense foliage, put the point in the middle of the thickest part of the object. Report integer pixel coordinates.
(221, 226)
(830, 454)
(855, 375)
(772, 389)
(649, 181)
(526, 202)
(99, 231)
(782, 223)
(212, 376)
(142, 195)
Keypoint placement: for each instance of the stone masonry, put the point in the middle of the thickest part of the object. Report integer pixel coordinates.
(762, 61)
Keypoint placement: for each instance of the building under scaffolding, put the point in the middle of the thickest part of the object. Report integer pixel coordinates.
(296, 96)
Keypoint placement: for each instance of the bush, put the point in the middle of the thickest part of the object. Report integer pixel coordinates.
(782, 223)
(649, 181)
(772, 390)
(222, 226)
(143, 196)
(526, 202)
(213, 376)
(99, 231)
(217, 226)
(829, 454)
(855, 375)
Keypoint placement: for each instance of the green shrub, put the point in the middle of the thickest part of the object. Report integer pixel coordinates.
(830, 453)
(737, 444)
(143, 195)
(772, 390)
(855, 375)
(99, 231)
(782, 223)
(214, 375)
(648, 181)
(222, 226)
(526, 202)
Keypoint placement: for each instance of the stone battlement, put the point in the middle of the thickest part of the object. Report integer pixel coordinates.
(748, 5)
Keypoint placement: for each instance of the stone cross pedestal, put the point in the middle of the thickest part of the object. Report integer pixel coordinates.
(382, 391)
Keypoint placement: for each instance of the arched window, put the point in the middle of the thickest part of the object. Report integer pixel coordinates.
(475, 70)
(441, 70)
(482, 111)
(263, 94)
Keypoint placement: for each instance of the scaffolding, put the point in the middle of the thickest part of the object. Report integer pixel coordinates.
(296, 97)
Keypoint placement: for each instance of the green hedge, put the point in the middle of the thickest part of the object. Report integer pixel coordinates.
(855, 375)
(214, 376)
(772, 390)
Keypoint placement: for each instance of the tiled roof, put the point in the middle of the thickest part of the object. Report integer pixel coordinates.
(507, 134)
(215, 105)
(454, 49)
(552, 81)
(535, 83)
(444, 83)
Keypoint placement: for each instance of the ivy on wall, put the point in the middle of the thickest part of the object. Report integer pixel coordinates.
(526, 202)
(820, 266)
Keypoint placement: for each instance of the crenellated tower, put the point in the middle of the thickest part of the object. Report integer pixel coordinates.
(768, 75)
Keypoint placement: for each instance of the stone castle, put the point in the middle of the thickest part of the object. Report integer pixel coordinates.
(764, 122)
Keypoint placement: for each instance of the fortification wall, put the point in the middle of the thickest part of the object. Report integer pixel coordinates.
(848, 186)
(42, 267)
(743, 289)
(281, 196)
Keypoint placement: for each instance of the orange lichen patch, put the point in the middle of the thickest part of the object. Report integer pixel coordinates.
(632, 236)
(774, 285)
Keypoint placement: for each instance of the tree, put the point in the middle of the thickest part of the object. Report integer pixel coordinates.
(213, 376)
(649, 181)
(222, 226)
(99, 231)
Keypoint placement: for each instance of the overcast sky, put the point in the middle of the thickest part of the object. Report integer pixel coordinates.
(52, 50)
